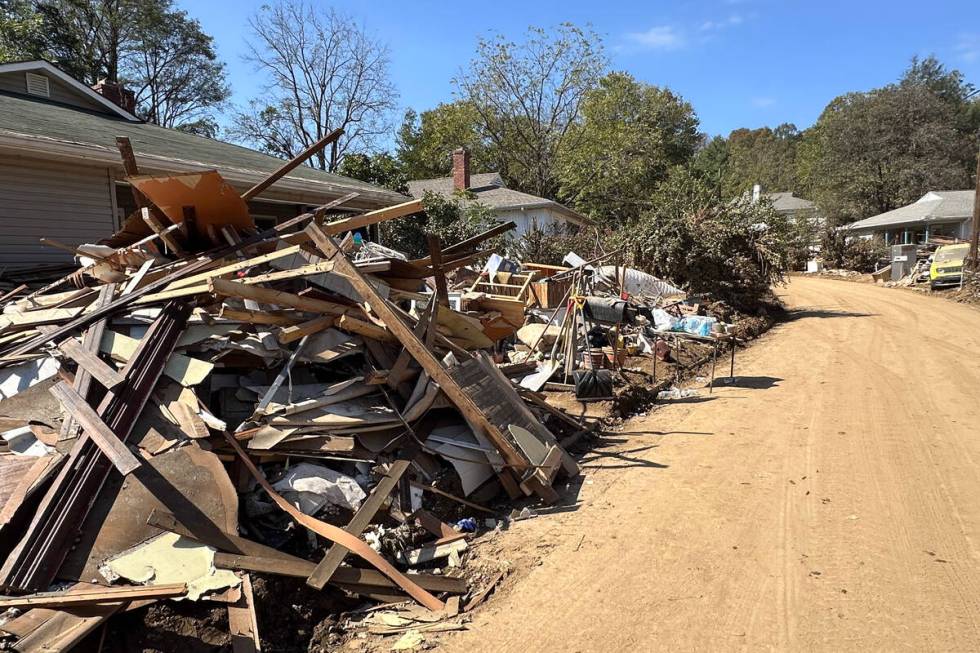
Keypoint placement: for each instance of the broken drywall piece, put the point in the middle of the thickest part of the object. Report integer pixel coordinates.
(16, 379)
(169, 558)
(464, 452)
(310, 487)
(22, 441)
(183, 369)
(330, 345)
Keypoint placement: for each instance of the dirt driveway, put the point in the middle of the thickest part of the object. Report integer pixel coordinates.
(830, 502)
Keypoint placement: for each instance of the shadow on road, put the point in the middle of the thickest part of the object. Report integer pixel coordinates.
(752, 382)
(626, 461)
(802, 313)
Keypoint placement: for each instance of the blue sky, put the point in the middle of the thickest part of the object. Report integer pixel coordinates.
(741, 63)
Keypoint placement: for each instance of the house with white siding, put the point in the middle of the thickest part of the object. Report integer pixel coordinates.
(61, 174)
(529, 212)
(943, 213)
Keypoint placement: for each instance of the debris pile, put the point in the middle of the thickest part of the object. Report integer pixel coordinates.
(294, 402)
(233, 405)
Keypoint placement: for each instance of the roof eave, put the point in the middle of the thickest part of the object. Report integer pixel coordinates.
(308, 191)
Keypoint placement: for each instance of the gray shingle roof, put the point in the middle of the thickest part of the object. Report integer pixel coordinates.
(934, 206)
(787, 202)
(42, 119)
(490, 191)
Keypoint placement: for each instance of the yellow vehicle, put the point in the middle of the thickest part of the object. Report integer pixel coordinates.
(947, 265)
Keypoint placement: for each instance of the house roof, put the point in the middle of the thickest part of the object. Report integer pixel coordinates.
(41, 127)
(785, 202)
(934, 206)
(490, 191)
(71, 82)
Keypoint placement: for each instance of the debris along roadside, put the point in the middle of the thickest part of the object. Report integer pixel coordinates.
(244, 408)
(241, 402)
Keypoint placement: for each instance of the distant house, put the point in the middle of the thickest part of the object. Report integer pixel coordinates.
(528, 211)
(786, 203)
(61, 174)
(946, 213)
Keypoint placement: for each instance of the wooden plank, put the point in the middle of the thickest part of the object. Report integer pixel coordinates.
(295, 332)
(259, 317)
(160, 229)
(285, 168)
(285, 565)
(470, 243)
(97, 430)
(362, 518)
(419, 351)
(93, 596)
(366, 329)
(373, 217)
(242, 622)
(91, 363)
(91, 340)
(202, 288)
(277, 297)
(435, 255)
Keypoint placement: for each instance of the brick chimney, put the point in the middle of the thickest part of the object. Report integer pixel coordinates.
(461, 169)
(116, 94)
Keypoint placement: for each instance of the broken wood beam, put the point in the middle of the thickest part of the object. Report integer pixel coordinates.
(91, 363)
(362, 518)
(297, 160)
(97, 430)
(75, 598)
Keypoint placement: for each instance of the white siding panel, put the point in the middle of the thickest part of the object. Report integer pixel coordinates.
(534, 218)
(67, 202)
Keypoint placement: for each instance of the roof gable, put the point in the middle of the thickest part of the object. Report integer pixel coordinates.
(934, 206)
(72, 85)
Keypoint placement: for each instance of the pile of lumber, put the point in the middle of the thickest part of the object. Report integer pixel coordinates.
(224, 388)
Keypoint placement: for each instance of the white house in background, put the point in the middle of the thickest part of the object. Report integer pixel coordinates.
(786, 203)
(529, 212)
(946, 213)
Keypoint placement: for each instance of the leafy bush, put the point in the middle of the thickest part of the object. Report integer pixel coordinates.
(733, 251)
(551, 244)
(451, 218)
(859, 254)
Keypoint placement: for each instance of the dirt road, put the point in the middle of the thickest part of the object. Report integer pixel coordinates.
(830, 502)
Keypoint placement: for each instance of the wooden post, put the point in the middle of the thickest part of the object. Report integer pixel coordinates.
(975, 236)
(435, 255)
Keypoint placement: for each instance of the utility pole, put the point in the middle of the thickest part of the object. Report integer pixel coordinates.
(976, 220)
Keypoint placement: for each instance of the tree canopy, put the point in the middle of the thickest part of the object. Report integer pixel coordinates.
(871, 152)
(528, 95)
(628, 138)
(425, 141)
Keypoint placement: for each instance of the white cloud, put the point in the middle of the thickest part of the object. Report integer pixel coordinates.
(716, 25)
(968, 47)
(763, 102)
(660, 37)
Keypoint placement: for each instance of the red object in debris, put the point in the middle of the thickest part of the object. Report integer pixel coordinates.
(661, 350)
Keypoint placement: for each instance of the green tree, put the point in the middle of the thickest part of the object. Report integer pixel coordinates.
(711, 161)
(876, 151)
(453, 219)
(731, 250)
(628, 138)
(528, 95)
(21, 31)
(380, 169)
(149, 46)
(425, 141)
